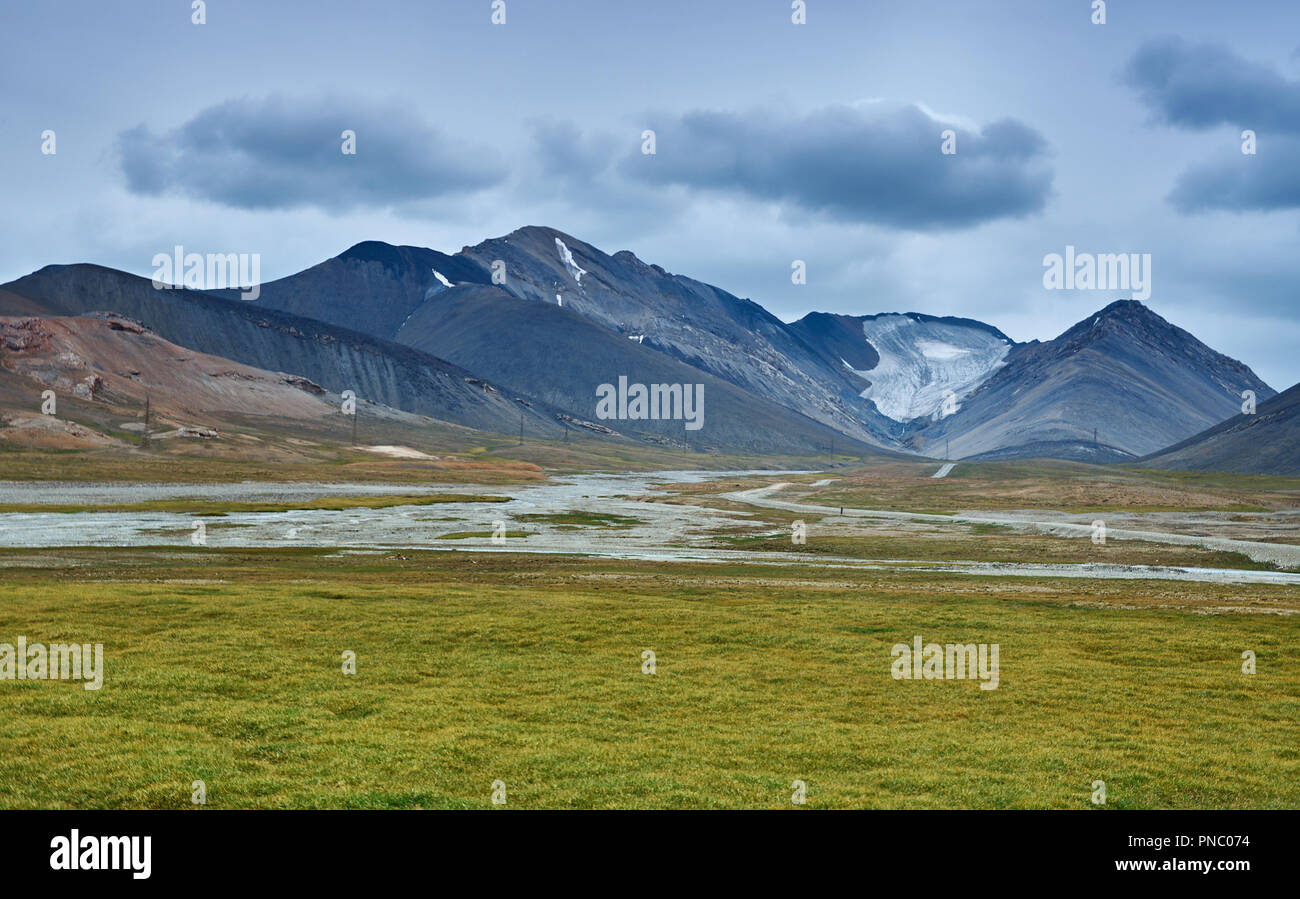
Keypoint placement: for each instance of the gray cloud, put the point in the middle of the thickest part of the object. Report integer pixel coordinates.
(276, 153)
(572, 174)
(1200, 86)
(1267, 182)
(874, 164)
(565, 154)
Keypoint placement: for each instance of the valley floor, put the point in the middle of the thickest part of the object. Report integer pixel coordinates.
(225, 666)
(773, 661)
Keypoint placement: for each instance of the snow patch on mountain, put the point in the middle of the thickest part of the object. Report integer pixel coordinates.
(442, 285)
(921, 361)
(567, 258)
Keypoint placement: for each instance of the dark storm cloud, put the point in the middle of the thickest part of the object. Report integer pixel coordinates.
(1201, 86)
(1265, 182)
(870, 164)
(276, 153)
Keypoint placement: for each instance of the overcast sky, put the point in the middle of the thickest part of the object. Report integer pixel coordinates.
(774, 142)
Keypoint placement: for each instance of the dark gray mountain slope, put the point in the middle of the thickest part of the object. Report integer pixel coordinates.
(371, 287)
(736, 340)
(562, 357)
(1266, 442)
(374, 287)
(335, 358)
(838, 338)
(1141, 382)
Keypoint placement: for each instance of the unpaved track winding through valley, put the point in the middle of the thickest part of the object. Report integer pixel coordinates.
(1284, 554)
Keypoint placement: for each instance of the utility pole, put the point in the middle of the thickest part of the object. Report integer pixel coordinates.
(521, 429)
(947, 456)
(1094, 435)
(146, 419)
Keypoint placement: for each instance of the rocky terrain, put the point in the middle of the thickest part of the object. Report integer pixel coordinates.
(735, 340)
(119, 364)
(561, 356)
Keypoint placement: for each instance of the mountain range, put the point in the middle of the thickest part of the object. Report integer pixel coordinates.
(519, 333)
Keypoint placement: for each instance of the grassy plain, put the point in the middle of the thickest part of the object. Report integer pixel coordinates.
(225, 666)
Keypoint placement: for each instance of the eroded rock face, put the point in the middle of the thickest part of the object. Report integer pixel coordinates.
(101, 358)
(88, 386)
(305, 384)
(563, 357)
(391, 292)
(397, 293)
(733, 339)
(23, 335)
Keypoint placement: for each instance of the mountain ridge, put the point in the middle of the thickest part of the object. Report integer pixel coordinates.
(334, 357)
(1120, 384)
(1266, 441)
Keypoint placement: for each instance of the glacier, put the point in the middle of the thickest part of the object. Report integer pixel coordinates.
(922, 360)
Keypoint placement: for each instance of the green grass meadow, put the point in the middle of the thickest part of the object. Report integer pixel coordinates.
(225, 666)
